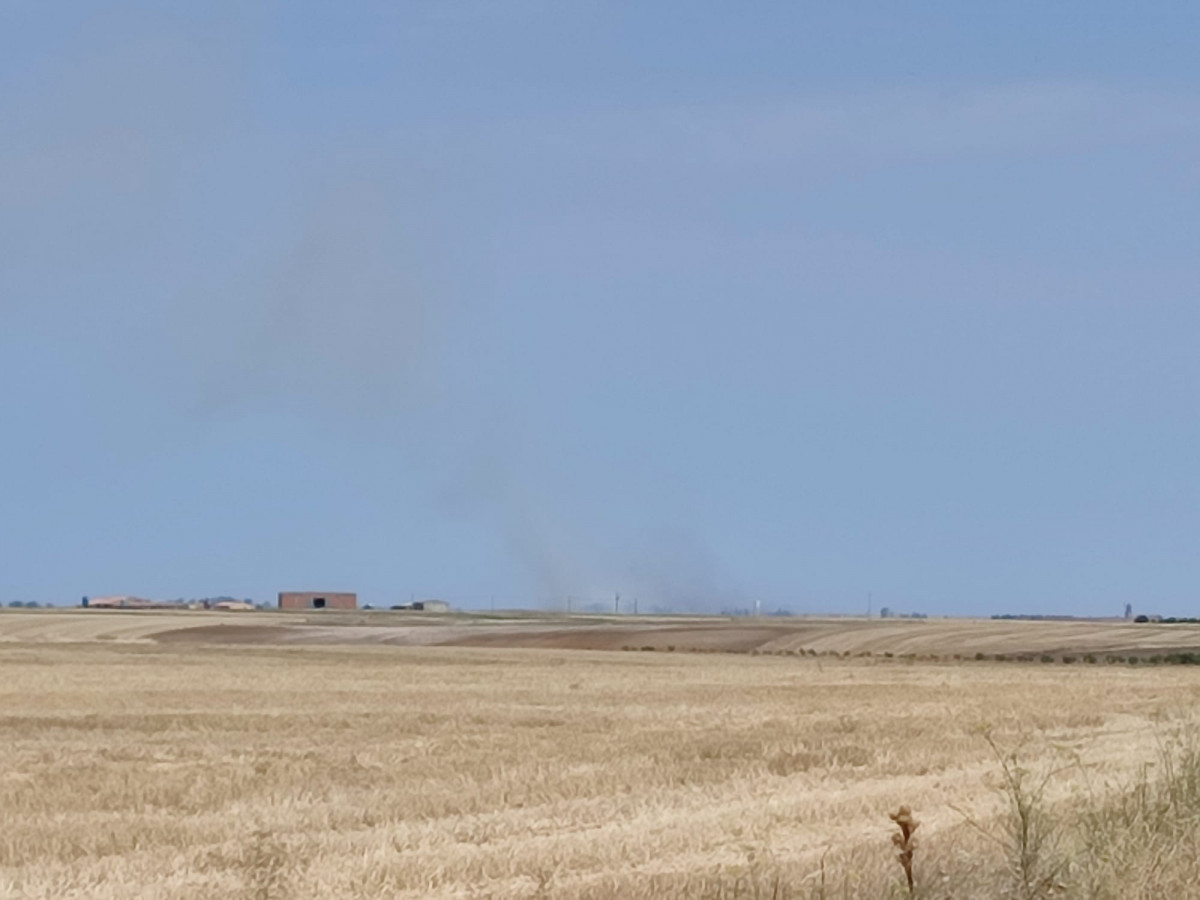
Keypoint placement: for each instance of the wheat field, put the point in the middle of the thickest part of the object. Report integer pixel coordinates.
(135, 770)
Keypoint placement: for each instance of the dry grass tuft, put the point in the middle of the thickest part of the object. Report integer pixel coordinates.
(1030, 832)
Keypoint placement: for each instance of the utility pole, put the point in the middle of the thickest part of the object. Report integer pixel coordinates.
(869, 598)
(617, 603)
(568, 604)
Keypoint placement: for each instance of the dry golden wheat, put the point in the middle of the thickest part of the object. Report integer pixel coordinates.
(139, 771)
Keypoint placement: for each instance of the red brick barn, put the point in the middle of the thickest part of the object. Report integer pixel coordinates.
(317, 600)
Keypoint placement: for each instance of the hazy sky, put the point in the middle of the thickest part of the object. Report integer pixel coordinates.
(704, 302)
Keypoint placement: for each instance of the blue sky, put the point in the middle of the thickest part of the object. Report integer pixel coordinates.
(704, 303)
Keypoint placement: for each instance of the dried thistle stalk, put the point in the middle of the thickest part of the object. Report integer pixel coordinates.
(905, 843)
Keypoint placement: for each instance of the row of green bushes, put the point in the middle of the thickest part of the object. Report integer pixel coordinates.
(1183, 658)
(1179, 658)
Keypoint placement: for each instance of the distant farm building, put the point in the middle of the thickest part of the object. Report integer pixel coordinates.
(437, 606)
(121, 601)
(432, 605)
(233, 605)
(317, 600)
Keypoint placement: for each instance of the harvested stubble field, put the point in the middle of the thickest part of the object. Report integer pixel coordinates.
(940, 638)
(192, 770)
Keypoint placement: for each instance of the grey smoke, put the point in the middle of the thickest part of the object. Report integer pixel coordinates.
(339, 323)
(331, 309)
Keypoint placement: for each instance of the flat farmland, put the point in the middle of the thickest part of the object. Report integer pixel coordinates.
(144, 766)
(941, 638)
